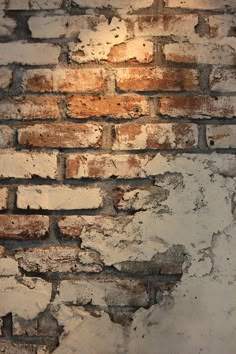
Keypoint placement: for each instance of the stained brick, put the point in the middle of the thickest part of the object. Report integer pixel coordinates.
(110, 106)
(221, 136)
(23, 226)
(157, 79)
(155, 136)
(65, 135)
(198, 107)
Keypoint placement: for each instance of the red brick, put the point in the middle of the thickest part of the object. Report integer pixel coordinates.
(29, 107)
(23, 226)
(155, 136)
(111, 106)
(157, 79)
(64, 135)
(64, 80)
(198, 107)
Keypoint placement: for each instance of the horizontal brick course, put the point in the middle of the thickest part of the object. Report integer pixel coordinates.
(201, 4)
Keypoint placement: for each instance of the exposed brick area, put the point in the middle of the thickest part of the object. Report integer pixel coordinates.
(117, 176)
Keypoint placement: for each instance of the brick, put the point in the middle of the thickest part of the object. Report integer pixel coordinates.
(20, 164)
(6, 136)
(64, 80)
(97, 42)
(157, 79)
(60, 26)
(3, 197)
(201, 4)
(110, 106)
(222, 25)
(59, 259)
(8, 347)
(58, 197)
(223, 80)
(155, 136)
(43, 325)
(5, 78)
(221, 136)
(104, 293)
(165, 25)
(29, 107)
(137, 50)
(64, 135)
(120, 5)
(7, 25)
(198, 107)
(20, 227)
(127, 198)
(105, 166)
(29, 53)
(30, 4)
(207, 53)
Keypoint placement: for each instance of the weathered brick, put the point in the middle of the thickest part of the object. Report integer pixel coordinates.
(201, 4)
(155, 136)
(29, 53)
(222, 25)
(20, 164)
(23, 226)
(58, 197)
(206, 53)
(121, 5)
(60, 26)
(6, 136)
(43, 325)
(157, 79)
(8, 266)
(29, 107)
(127, 198)
(30, 4)
(64, 80)
(3, 197)
(117, 292)
(198, 107)
(97, 42)
(138, 50)
(108, 106)
(105, 166)
(223, 80)
(65, 135)
(221, 136)
(8, 347)
(5, 78)
(59, 259)
(166, 25)
(7, 25)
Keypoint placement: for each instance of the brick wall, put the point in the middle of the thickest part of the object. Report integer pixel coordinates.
(117, 176)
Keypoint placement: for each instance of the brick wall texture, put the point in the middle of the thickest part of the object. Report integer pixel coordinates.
(117, 176)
